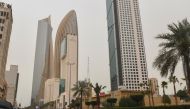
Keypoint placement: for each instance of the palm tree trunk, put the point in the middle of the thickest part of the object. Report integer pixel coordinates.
(163, 91)
(81, 100)
(187, 71)
(98, 100)
(164, 96)
(149, 99)
(152, 97)
(175, 95)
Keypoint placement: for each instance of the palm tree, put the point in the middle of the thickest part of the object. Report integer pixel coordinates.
(173, 79)
(81, 89)
(164, 85)
(175, 48)
(97, 90)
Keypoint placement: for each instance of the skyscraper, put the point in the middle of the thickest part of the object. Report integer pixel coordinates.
(6, 21)
(66, 55)
(126, 47)
(43, 64)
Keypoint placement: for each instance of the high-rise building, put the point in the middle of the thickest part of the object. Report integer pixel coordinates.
(126, 47)
(66, 56)
(6, 21)
(154, 86)
(12, 77)
(43, 64)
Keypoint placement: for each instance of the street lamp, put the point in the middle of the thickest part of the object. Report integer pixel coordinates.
(70, 64)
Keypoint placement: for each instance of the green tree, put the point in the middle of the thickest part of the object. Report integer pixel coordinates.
(175, 48)
(72, 104)
(97, 89)
(173, 79)
(81, 89)
(182, 94)
(75, 103)
(112, 101)
(164, 85)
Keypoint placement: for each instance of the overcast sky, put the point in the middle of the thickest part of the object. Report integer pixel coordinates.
(92, 27)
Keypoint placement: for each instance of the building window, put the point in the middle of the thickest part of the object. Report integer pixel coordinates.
(7, 17)
(0, 36)
(2, 28)
(1, 13)
(3, 21)
(4, 14)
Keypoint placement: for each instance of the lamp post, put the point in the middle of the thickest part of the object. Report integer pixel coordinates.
(70, 64)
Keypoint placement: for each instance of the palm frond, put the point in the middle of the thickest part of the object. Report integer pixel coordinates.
(166, 36)
(167, 45)
(173, 28)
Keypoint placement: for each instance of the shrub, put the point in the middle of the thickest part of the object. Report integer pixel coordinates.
(93, 103)
(138, 99)
(106, 104)
(127, 102)
(166, 99)
(112, 101)
(182, 94)
(87, 103)
(156, 107)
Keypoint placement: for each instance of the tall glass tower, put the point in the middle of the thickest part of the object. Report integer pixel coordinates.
(43, 63)
(126, 46)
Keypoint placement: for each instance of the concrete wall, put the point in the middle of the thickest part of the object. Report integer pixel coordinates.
(11, 78)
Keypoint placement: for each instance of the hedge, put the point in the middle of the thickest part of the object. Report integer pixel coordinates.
(156, 107)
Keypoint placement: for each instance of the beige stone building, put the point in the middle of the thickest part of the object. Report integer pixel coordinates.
(66, 56)
(51, 92)
(47, 77)
(154, 86)
(6, 21)
(12, 77)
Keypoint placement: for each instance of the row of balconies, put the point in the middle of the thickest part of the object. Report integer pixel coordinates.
(5, 5)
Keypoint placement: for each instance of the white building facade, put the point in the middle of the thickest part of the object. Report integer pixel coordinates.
(126, 46)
